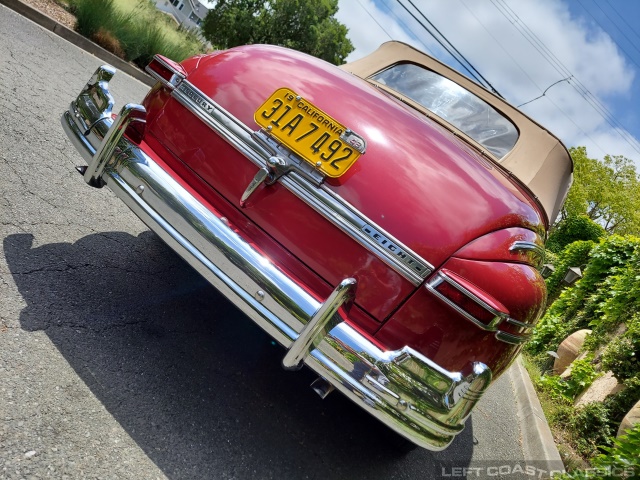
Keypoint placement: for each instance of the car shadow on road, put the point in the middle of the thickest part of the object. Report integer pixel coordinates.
(196, 384)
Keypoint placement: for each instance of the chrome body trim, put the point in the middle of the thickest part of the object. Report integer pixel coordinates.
(405, 390)
(493, 326)
(175, 79)
(534, 250)
(319, 325)
(303, 183)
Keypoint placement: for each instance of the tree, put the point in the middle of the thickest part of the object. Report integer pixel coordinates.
(608, 192)
(572, 229)
(305, 25)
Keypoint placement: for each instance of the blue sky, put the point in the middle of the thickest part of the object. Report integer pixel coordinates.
(524, 46)
(620, 19)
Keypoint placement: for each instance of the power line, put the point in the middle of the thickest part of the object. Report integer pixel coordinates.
(622, 18)
(595, 103)
(374, 19)
(450, 44)
(616, 26)
(560, 68)
(399, 20)
(407, 28)
(545, 91)
(440, 42)
(604, 152)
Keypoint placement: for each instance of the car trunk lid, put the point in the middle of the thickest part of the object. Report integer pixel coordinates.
(417, 185)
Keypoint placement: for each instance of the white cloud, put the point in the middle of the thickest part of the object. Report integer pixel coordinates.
(369, 26)
(513, 64)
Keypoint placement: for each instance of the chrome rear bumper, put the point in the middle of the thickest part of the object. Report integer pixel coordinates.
(405, 390)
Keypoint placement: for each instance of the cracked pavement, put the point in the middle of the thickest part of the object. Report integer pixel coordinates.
(118, 361)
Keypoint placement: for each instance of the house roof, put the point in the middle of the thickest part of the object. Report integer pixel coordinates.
(198, 9)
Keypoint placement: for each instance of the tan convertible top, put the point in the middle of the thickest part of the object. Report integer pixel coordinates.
(538, 160)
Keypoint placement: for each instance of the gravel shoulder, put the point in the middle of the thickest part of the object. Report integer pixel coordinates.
(54, 10)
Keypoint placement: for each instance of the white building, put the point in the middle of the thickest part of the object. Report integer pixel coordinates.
(188, 13)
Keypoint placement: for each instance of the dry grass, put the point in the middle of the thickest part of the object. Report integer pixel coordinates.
(107, 41)
(140, 29)
(555, 411)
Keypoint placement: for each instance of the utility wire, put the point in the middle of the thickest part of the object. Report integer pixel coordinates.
(399, 20)
(408, 29)
(439, 41)
(374, 19)
(446, 48)
(545, 91)
(604, 152)
(560, 68)
(614, 24)
(595, 103)
(622, 18)
(454, 48)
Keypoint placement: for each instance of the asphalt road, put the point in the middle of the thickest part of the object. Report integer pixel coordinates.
(118, 361)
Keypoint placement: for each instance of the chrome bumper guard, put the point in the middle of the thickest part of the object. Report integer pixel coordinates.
(405, 390)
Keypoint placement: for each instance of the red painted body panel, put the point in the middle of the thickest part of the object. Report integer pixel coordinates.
(416, 180)
(496, 246)
(248, 230)
(436, 330)
(520, 288)
(312, 239)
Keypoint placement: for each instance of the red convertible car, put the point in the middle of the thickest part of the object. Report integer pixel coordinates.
(384, 220)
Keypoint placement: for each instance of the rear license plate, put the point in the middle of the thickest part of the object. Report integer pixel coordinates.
(308, 131)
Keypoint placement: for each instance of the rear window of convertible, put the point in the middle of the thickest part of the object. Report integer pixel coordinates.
(452, 103)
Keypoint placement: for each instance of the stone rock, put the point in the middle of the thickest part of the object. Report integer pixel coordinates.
(599, 390)
(630, 419)
(569, 349)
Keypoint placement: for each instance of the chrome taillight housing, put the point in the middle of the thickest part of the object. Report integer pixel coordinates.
(476, 305)
(166, 71)
(493, 282)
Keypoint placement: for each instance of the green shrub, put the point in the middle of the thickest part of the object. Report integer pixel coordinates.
(607, 297)
(141, 30)
(92, 15)
(621, 354)
(572, 229)
(582, 375)
(620, 460)
(574, 255)
(550, 257)
(591, 428)
(607, 294)
(620, 403)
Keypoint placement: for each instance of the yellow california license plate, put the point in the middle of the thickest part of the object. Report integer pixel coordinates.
(308, 131)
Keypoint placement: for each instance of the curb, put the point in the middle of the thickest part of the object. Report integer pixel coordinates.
(538, 444)
(50, 24)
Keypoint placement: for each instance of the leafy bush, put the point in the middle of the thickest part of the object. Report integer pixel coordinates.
(604, 300)
(621, 354)
(619, 300)
(591, 427)
(620, 403)
(607, 295)
(140, 29)
(582, 375)
(574, 255)
(550, 257)
(572, 229)
(621, 460)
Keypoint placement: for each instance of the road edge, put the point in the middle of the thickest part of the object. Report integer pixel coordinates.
(78, 40)
(538, 444)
